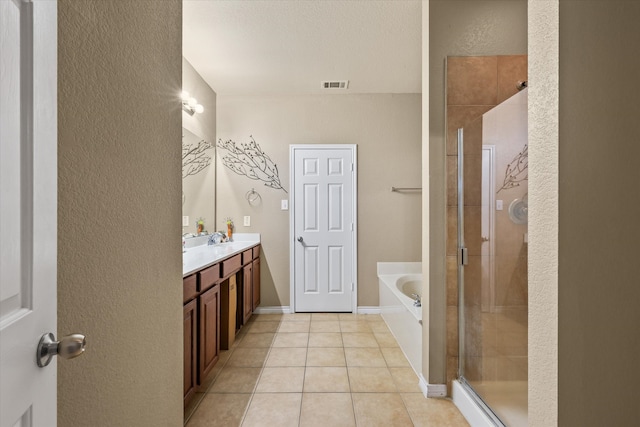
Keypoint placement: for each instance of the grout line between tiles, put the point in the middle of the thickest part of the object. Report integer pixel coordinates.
(255, 386)
(302, 393)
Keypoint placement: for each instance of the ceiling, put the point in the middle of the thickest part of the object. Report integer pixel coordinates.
(250, 47)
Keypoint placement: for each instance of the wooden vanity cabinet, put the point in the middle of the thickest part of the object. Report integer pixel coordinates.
(190, 349)
(255, 284)
(202, 302)
(209, 336)
(201, 309)
(247, 292)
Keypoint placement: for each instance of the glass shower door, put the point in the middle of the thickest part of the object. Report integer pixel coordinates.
(492, 260)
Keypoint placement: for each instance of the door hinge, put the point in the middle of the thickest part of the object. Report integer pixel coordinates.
(351, 167)
(351, 226)
(352, 287)
(463, 256)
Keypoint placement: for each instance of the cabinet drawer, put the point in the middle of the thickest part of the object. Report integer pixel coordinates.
(231, 265)
(247, 257)
(189, 286)
(208, 277)
(256, 252)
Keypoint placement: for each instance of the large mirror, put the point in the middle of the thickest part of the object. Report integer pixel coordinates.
(198, 185)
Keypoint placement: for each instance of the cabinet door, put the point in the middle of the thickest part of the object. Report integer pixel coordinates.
(209, 330)
(247, 299)
(256, 283)
(190, 349)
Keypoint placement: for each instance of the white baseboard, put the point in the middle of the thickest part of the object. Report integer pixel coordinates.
(432, 390)
(284, 309)
(369, 310)
(474, 415)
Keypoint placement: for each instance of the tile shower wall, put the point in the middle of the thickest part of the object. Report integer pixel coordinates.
(474, 86)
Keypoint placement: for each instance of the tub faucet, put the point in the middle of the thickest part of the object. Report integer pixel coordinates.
(215, 238)
(416, 302)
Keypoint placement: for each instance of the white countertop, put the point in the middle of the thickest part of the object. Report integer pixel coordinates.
(199, 257)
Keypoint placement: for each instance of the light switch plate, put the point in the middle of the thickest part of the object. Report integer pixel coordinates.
(247, 221)
(185, 221)
(498, 205)
(284, 204)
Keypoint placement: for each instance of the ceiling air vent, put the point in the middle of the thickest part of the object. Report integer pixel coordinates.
(335, 84)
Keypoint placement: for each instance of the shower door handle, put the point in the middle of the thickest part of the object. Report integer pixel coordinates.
(463, 256)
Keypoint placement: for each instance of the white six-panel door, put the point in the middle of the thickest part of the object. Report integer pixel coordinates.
(323, 227)
(28, 221)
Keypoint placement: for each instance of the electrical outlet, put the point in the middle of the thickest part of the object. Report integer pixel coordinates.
(284, 204)
(247, 221)
(185, 221)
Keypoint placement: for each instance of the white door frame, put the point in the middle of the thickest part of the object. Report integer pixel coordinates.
(354, 201)
(488, 290)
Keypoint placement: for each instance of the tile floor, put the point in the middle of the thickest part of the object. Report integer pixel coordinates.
(320, 369)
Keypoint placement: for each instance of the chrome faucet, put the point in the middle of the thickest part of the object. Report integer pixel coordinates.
(416, 302)
(215, 238)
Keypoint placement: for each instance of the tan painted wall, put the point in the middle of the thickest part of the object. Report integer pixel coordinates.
(386, 129)
(599, 207)
(456, 28)
(119, 261)
(200, 189)
(543, 213)
(440, 355)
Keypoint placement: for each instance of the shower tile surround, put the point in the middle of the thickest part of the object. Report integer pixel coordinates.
(475, 85)
(360, 378)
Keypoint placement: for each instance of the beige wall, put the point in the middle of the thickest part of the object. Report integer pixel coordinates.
(543, 213)
(200, 189)
(386, 129)
(119, 263)
(456, 28)
(599, 207)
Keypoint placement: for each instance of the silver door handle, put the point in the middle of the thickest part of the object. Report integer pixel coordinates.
(68, 347)
(300, 239)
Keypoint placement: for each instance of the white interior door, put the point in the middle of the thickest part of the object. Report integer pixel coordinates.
(323, 227)
(28, 222)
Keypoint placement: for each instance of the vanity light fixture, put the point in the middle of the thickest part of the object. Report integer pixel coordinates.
(190, 104)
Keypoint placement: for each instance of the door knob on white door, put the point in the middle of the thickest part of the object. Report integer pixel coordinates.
(68, 347)
(300, 239)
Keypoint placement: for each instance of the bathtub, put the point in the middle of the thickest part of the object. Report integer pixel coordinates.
(396, 282)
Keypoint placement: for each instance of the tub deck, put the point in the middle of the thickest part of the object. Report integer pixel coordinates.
(403, 319)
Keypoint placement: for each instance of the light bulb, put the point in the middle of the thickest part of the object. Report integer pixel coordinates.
(184, 95)
(199, 108)
(192, 102)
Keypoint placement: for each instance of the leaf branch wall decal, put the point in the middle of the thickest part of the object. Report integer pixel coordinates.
(517, 171)
(195, 157)
(249, 160)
